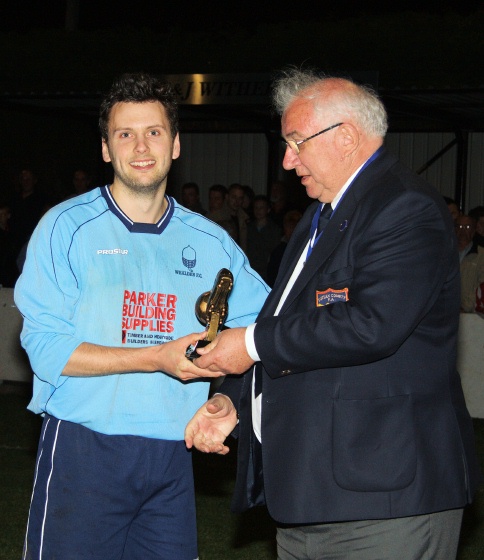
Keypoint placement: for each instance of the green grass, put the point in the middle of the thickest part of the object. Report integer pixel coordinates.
(222, 534)
(19, 431)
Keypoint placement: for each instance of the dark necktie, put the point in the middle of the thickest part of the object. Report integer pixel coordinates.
(324, 217)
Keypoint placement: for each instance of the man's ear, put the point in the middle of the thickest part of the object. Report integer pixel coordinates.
(349, 138)
(176, 147)
(105, 151)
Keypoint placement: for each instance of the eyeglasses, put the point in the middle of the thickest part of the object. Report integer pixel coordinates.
(294, 144)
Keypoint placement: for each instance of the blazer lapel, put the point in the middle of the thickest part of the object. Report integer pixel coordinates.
(293, 251)
(333, 233)
(335, 230)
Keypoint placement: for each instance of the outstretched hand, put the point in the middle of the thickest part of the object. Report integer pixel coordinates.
(211, 425)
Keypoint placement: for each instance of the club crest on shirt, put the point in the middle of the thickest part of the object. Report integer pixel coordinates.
(189, 260)
(331, 296)
(189, 257)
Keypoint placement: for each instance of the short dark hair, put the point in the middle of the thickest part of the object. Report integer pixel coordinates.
(236, 187)
(291, 217)
(249, 191)
(262, 197)
(139, 88)
(219, 188)
(449, 201)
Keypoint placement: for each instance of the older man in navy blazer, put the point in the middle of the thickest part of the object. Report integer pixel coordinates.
(353, 426)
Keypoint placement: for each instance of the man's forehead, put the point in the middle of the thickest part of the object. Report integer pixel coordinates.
(132, 111)
(298, 116)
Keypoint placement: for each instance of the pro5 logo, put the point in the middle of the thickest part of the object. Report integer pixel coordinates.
(112, 251)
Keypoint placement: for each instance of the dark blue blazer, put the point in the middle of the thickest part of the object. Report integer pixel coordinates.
(363, 415)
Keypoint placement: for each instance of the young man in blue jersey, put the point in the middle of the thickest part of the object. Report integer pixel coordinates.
(108, 293)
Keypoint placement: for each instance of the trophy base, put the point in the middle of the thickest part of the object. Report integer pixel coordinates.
(192, 353)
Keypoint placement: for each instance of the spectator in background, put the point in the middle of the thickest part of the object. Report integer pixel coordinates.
(8, 267)
(248, 204)
(453, 207)
(218, 209)
(480, 299)
(217, 204)
(472, 280)
(279, 203)
(239, 216)
(81, 181)
(27, 207)
(470, 230)
(465, 228)
(190, 198)
(290, 221)
(478, 214)
(22, 254)
(262, 236)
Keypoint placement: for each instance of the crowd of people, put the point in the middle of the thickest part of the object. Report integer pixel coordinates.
(20, 212)
(260, 224)
(469, 229)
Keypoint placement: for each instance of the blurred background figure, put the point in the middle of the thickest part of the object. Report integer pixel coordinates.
(472, 281)
(465, 228)
(218, 210)
(478, 214)
(27, 207)
(239, 216)
(217, 203)
(8, 267)
(190, 198)
(453, 207)
(289, 223)
(262, 236)
(248, 204)
(470, 231)
(22, 252)
(81, 181)
(279, 202)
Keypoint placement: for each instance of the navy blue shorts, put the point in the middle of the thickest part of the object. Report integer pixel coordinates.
(107, 497)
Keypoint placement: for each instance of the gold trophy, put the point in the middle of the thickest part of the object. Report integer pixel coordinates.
(211, 309)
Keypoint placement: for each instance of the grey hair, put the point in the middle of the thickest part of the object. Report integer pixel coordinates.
(359, 102)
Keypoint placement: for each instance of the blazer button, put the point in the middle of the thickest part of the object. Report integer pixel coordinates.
(285, 371)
